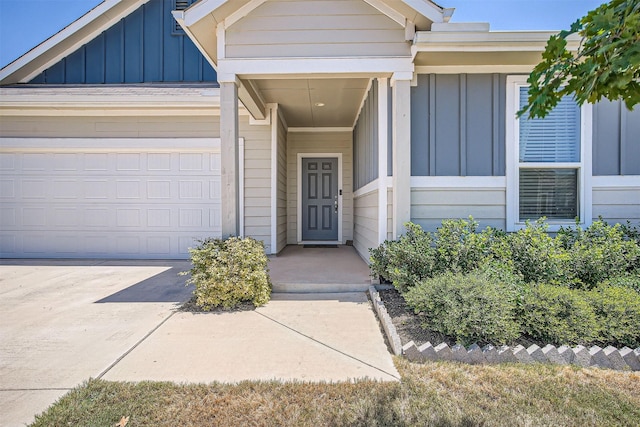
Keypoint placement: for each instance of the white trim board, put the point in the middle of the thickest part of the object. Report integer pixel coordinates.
(299, 190)
(105, 145)
(458, 182)
(585, 193)
(615, 181)
(367, 188)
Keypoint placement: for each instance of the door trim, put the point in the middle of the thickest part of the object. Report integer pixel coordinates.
(299, 185)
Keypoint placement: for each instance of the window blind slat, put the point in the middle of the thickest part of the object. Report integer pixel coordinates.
(556, 138)
(552, 193)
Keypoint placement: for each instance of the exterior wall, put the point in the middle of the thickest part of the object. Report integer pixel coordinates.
(257, 153)
(458, 125)
(142, 47)
(616, 139)
(257, 181)
(617, 203)
(389, 213)
(319, 142)
(429, 206)
(282, 185)
(318, 28)
(365, 141)
(365, 223)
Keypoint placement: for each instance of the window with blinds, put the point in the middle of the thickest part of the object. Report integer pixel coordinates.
(552, 193)
(553, 139)
(548, 162)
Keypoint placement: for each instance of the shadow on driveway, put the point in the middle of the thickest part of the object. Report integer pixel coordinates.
(167, 286)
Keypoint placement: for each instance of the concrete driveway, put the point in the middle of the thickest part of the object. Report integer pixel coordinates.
(64, 322)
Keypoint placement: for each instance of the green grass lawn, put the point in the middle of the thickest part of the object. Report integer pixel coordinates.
(431, 394)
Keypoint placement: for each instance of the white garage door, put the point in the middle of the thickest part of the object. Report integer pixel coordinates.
(107, 198)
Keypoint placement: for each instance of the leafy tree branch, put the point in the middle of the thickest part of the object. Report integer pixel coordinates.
(606, 63)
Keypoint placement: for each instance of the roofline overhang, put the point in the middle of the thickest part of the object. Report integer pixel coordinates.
(66, 41)
(487, 41)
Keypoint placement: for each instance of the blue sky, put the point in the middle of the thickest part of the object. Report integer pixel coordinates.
(26, 23)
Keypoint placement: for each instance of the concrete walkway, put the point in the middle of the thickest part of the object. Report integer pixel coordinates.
(67, 321)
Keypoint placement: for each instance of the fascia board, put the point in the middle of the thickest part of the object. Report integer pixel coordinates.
(427, 41)
(32, 63)
(427, 9)
(201, 9)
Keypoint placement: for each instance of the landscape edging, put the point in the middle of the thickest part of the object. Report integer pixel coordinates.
(610, 357)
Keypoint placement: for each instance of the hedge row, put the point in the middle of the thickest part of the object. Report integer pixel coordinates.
(579, 287)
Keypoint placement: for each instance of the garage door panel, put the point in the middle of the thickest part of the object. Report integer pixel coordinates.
(154, 203)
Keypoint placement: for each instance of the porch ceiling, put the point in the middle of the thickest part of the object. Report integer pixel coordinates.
(300, 100)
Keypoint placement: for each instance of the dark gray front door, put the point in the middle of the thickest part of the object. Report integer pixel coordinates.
(320, 199)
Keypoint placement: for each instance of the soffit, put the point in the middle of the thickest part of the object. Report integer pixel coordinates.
(298, 99)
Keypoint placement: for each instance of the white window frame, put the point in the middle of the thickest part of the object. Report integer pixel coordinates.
(514, 83)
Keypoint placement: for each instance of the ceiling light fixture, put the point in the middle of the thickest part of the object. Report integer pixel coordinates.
(319, 104)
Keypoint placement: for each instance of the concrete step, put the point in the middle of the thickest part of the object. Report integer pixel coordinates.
(319, 288)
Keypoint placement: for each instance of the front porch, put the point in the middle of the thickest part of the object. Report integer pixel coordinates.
(335, 268)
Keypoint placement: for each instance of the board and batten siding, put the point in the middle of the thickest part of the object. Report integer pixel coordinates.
(616, 140)
(458, 125)
(257, 149)
(365, 223)
(140, 48)
(429, 206)
(281, 212)
(319, 142)
(315, 28)
(365, 141)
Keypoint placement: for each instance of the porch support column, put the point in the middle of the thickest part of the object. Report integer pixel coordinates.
(401, 134)
(229, 153)
(383, 144)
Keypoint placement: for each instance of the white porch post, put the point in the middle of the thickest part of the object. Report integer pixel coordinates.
(383, 142)
(229, 157)
(401, 132)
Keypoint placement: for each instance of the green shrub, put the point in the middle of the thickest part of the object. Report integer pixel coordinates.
(558, 315)
(533, 253)
(470, 307)
(406, 261)
(229, 272)
(618, 311)
(631, 281)
(460, 248)
(599, 252)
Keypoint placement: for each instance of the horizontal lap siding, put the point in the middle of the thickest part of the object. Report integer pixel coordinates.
(615, 204)
(365, 223)
(315, 28)
(257, 182)
(389, 213)
(429, 206)
(282, 185)
(319, 142)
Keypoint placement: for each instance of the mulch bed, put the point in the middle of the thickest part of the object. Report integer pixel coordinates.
(409, 325)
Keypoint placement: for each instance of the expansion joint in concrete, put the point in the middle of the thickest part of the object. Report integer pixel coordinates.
(328, 346)
(103, 373)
